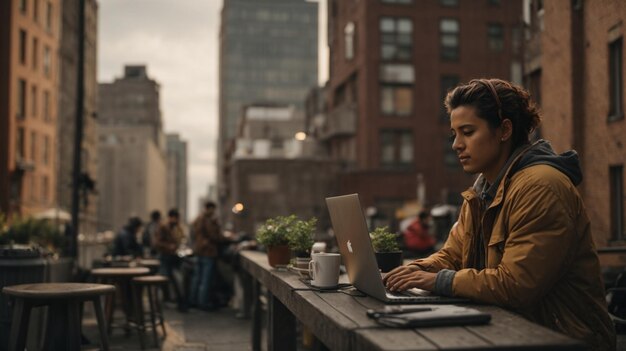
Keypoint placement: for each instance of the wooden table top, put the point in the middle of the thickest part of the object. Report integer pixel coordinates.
(151, 279)
(339, 320)
(148, 262)
(58, 290)
(120, 271)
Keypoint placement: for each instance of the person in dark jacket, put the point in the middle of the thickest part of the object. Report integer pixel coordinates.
(125, 243)
(523, 238)
(207, 235)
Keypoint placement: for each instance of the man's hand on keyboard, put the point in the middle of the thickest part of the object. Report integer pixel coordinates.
(407, 277)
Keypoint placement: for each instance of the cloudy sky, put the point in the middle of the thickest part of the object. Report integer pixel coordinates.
(179, 43)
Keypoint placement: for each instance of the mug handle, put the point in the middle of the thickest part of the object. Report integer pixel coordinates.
(312, 269)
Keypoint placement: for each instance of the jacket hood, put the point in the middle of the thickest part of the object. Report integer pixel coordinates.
(542, 153)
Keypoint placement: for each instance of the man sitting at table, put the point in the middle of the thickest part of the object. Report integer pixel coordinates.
(125, 243)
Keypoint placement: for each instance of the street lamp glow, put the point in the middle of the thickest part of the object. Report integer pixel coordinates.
(300, 136)
(238, 207)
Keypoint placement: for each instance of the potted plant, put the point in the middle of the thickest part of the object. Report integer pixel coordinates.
(300, 238)
(273, 235)
(388, 253)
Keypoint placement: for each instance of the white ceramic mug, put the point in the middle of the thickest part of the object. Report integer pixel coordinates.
(324, 269)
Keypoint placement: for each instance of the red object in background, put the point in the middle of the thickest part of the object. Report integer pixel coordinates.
(417, 237)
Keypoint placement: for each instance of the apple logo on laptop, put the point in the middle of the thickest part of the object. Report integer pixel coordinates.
(349, 246)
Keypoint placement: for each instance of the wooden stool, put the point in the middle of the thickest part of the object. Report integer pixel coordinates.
(152, 284)
(63, 329)
(150, 263)
(120, 277)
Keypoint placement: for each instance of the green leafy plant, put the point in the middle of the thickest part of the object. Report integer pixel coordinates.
(274, 232)
(300, 235)
(384, 241)
(29, 231)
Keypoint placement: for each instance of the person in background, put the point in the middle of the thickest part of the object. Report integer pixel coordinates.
(167, 240)
(417, 237)
(207, 235)
(125, 243)
(523, 238)
(150, 232)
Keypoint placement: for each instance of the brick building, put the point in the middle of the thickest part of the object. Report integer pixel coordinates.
(575, 66)
(391, 64)
(29, 43)
(68, 62)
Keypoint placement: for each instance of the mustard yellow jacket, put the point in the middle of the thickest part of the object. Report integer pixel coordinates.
(539, 256)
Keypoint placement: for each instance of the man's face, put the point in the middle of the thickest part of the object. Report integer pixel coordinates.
(172, 219)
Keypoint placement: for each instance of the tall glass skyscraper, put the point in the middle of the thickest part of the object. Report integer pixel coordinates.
(268, 55)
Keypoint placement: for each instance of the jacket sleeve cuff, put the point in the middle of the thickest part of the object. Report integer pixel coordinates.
(443, 282)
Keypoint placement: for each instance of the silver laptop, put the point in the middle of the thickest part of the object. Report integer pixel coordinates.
(355, 246)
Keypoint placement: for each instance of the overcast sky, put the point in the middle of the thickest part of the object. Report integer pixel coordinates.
(179, 43)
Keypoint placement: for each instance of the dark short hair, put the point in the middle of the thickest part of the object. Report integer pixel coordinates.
(173, 213)
(134, 222)
(496, 100)
(155, 215)
(209, 205)
(423, 214)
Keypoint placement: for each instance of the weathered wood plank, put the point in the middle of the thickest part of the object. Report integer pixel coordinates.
(281, 328)
(510, 330)
(390, 339)
(450, 338)
(350, 307)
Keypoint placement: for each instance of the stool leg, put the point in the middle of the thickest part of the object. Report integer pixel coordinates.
(104, 336)
(152, 311)
(19, 325)
(138, 302)
(73, 318)
(159, 304)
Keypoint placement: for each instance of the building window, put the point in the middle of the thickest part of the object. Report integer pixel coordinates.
(23, 6)
(533, 83)
(19, 144)
(396, 148)
(396, 100)
(449, 32)
(35, 51)
(616, 174)
(22, 46)
(46, 106)
(33, 146)
(449, 3)
(396, 38)
(616, 83)
(495, 37)
(36, 10)
(33, 193)
(349, 40)
(33, 101)
(450, 158)
(46, 150)
(45, 189)
(46, 61)
(21, 98)
(447, 83)
(49, 17)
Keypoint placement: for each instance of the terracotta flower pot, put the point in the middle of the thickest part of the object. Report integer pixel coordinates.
(278, 255)
(388, 260)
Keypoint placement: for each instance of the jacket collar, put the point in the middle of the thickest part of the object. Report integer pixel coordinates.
(472, 192)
